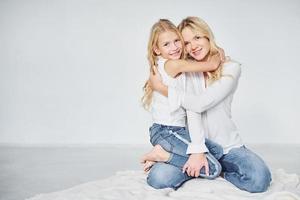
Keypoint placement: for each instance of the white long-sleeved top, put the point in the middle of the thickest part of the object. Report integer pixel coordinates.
(213, 106)
(163, 113)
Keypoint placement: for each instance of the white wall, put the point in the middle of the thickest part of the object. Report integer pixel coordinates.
(72, 71)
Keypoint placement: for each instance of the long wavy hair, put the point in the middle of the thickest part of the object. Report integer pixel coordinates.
(158, 28)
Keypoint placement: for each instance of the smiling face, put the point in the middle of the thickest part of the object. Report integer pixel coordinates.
(169, 45)
(196, 45)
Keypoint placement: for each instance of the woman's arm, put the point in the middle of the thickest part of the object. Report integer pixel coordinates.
(157, 84)
(195, 127)
(196, 148)
(215, 93)
(174, 67)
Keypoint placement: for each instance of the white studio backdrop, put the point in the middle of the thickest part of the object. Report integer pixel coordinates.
(71, 71)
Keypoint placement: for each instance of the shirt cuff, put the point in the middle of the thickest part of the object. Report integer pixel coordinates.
(196, 148)
(175, 97)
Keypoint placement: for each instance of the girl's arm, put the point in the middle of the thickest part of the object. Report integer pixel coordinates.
(213, 94)
(174, 67)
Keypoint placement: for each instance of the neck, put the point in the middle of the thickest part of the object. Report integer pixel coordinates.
(206, 58)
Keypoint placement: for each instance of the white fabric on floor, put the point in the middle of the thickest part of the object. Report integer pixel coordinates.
(131, 185)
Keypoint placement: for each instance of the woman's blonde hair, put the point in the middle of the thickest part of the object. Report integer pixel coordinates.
(198, 25)
(159, 27)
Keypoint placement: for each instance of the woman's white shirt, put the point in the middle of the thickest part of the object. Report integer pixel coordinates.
(213, 104)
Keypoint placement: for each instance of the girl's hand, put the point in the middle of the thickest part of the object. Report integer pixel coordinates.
(215, 60)
(222, 54)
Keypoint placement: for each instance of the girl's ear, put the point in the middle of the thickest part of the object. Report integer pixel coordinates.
(156, 51)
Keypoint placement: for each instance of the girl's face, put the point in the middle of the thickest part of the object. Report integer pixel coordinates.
(196, 45)
(169, 45)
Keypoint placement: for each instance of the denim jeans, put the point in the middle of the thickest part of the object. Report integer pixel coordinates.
(175, 140)
(241, 167)
(246, 170)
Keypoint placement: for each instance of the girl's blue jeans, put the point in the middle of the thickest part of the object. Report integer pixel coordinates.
(175, 139)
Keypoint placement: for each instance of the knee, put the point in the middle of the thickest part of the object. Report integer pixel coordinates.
(156, 181)
(164, 176)
(261, 180)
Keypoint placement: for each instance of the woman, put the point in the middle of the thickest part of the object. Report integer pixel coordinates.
(240, 166)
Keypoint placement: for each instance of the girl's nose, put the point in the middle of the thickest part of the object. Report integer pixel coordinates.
(174, 46)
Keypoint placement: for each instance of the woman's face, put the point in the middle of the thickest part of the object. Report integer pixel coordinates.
(169, 45)
(196, 45)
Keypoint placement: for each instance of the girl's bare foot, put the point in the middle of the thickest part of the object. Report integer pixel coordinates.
(157, 154)
(147, 165)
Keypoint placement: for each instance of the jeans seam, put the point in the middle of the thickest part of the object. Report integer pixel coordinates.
(179, 137)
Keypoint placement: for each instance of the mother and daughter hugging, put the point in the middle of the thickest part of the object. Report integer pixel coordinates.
(189, 95)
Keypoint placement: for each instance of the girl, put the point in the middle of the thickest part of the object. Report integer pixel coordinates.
(168, 133)
(240, 166)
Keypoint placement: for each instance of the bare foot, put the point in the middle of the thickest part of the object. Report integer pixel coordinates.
(157, 154)
(147, 166)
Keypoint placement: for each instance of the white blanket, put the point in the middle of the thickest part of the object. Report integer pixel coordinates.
(131, 185)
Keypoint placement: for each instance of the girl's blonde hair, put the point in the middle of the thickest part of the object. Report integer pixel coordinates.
(198, 25)
(159, 27)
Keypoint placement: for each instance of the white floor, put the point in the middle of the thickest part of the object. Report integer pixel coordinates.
(26, 171)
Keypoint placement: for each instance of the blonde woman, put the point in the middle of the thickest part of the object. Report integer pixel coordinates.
(240, 166)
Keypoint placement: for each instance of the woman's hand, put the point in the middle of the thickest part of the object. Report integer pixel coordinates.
(156, 82)
(195, 163)
(155, 79)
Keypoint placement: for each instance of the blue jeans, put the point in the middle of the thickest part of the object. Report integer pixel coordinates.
(175, 140)
(241, 167)
(246, 170)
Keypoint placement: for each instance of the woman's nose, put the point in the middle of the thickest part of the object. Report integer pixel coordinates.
(193, 45)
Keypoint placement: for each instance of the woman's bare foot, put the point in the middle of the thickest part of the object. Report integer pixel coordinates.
(157, 154)
(147, 165)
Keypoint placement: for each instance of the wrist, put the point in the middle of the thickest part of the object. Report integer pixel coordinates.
(160, 87)
(199, 155)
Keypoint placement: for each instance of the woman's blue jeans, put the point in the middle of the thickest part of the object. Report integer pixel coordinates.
(246, 170)
(175, 140)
